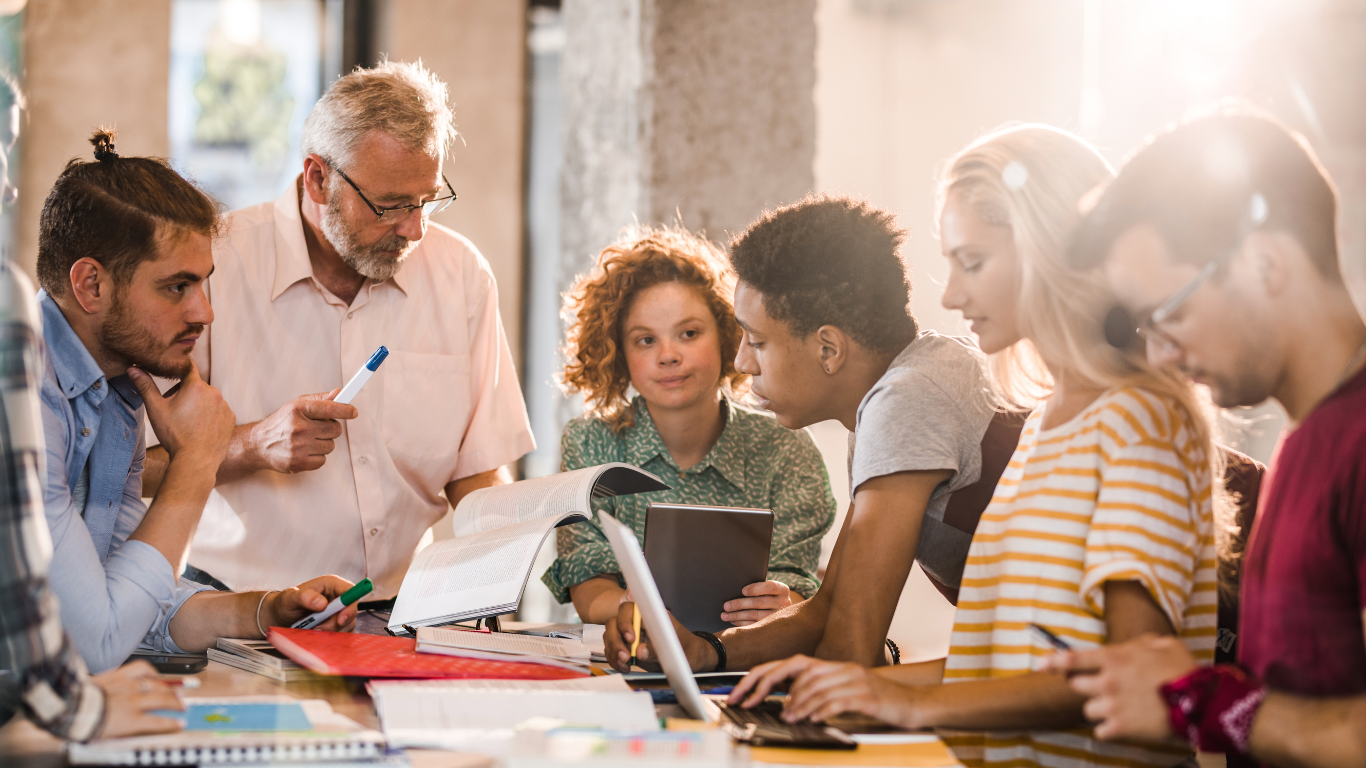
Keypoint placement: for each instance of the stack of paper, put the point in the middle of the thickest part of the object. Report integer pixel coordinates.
(543, 629)
(593, 640)
(482, 715)
(258, 656)
(501, 646)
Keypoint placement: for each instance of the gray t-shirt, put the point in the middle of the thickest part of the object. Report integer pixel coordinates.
(929, 411)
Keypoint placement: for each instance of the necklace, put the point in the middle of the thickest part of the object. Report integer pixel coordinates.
(1351, 366)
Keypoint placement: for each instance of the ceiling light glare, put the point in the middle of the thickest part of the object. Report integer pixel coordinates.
(1014, 176)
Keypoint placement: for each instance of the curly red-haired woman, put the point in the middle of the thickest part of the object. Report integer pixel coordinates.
(655, 316)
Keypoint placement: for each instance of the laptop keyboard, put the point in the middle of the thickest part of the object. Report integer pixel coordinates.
(764, 726)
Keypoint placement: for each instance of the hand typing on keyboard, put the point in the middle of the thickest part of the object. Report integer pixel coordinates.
(821, 690)
(764, 726)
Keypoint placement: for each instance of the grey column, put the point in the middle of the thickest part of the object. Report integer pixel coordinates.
(695, 109)
(698, 108)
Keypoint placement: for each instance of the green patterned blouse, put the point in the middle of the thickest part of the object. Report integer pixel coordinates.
(755, 463)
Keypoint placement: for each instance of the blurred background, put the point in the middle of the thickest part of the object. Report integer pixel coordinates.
(582, 116)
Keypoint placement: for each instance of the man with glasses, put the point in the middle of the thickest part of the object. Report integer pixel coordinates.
(1219, 239)
(306, 288)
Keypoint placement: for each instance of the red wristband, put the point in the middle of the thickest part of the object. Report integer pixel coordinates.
(1213, 708)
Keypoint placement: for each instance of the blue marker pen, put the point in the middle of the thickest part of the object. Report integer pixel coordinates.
(353, 386)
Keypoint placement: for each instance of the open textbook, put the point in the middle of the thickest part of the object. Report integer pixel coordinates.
(498, 532)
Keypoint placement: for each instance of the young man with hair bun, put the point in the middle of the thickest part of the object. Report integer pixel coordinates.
(123, 251)
(45, 677)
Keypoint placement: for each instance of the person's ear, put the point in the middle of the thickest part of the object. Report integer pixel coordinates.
(833, 347)
(315, 179)
(91, 285)
(1274, 255)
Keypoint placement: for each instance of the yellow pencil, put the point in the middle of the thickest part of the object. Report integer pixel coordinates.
(635, 627)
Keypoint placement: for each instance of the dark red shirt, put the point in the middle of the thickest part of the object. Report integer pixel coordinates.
(1304, 579)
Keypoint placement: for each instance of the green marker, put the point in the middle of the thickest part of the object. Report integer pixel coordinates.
(348, 597)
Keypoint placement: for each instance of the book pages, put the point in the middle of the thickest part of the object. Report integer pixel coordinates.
(498, 533)
(502, 505)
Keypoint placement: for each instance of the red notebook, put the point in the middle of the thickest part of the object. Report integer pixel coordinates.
(347, 653)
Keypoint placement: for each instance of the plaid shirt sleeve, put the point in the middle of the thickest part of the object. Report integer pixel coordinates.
(41, 674)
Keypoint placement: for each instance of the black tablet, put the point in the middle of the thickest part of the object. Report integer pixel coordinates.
(703, 556)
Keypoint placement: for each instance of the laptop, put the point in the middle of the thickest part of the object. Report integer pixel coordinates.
(761, 726)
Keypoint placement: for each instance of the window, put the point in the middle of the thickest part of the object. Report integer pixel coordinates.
(244, 74)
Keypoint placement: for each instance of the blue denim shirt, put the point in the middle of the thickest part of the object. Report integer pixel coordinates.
(115, 594)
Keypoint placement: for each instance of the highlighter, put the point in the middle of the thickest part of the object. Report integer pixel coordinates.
(348, 597)
(353, 386)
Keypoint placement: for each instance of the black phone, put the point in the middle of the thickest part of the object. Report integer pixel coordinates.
(173, 663)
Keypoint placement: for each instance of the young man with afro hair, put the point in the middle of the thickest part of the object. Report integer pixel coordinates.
(823, 299)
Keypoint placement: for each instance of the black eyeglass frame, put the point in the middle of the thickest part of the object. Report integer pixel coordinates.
(1148, 329)
(428, 209)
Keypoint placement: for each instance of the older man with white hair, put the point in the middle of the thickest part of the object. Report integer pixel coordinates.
(305, 289)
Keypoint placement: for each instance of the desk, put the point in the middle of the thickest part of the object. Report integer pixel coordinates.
(24, 745)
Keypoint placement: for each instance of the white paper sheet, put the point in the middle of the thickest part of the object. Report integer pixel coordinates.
(481, 715)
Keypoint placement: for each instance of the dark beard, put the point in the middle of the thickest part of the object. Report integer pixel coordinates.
(123, 336)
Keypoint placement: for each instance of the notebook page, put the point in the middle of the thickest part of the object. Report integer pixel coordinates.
(333, 734)
(449, 717)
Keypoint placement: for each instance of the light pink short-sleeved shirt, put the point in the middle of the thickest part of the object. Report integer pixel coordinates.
(443, 406)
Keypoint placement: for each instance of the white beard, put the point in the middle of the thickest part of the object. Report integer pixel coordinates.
(371, 261)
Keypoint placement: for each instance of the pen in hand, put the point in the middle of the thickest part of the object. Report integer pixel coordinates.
(635, 628)
(1053, 640)
(338, 603)
(363, 375)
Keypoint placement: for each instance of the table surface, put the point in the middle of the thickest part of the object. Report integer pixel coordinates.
(24, 745)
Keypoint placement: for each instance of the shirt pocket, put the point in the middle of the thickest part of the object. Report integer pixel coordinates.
(426, 410)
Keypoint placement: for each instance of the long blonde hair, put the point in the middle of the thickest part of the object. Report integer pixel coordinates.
(1032, 178)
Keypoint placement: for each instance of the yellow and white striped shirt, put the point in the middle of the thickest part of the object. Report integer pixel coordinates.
(1119, 493)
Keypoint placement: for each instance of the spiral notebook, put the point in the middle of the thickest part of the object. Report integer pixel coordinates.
(327, 737)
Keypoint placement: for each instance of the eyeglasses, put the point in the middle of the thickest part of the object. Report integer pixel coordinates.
(1150, 327)
(1119, 326)
(399, 211)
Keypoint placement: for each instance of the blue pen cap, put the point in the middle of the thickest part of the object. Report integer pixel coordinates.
(377, 358)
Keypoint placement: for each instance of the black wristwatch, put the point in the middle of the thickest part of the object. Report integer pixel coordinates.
(719, 646)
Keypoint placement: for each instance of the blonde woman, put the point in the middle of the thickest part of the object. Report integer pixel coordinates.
(1101, 527)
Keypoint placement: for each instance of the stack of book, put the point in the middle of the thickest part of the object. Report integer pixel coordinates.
(502, 646)
(352, 655)
(261, 657)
